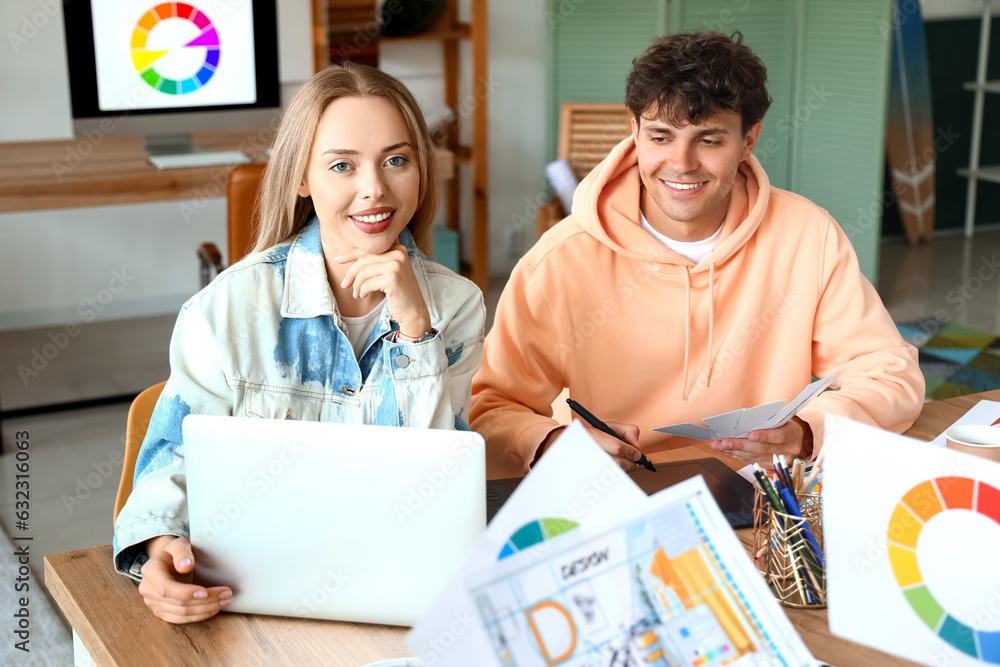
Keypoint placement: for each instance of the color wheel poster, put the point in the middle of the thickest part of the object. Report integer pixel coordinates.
(665, 585)
(154, 55)
(912, 539)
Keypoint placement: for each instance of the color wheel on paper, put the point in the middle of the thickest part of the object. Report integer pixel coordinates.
(172, 49)
(917, 506)
(533, 533)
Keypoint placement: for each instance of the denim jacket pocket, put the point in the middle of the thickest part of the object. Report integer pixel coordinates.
(281, 403)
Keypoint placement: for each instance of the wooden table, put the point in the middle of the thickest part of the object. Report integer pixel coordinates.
(103, 171)
(108, 614)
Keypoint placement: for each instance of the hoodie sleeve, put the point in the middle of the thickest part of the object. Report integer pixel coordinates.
(882, 384)
(521, 376)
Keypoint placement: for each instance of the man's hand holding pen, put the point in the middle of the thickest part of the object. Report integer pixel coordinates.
(619, 440)
(624, 448)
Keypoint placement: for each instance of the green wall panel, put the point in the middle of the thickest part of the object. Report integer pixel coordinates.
(839, 147)
(590, 48)
(768, 28)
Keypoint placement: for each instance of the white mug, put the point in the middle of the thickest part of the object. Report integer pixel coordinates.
(977, 440)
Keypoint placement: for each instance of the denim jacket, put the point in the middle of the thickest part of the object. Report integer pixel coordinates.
(265, 339)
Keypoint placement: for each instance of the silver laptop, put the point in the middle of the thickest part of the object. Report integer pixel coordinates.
(333, 521)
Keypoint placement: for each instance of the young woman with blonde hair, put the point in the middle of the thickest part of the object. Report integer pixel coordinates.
(336, 315)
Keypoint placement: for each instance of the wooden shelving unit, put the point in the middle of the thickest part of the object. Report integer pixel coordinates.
(451, 33)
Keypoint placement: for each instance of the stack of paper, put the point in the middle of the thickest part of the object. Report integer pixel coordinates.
(739, 423)
(606, 576)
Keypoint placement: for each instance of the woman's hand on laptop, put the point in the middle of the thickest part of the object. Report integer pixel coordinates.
(166, 583)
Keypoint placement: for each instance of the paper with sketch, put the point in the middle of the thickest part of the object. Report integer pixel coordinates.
(574, 482)
(739, 423)
(911, 534)
(985, 413)
(667, 583)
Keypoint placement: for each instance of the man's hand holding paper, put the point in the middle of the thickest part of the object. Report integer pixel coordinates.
(794, 440)
(755, 434)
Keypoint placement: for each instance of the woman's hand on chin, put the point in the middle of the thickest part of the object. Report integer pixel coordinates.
(392, 274)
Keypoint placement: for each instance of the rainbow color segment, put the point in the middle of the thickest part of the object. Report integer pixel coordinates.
(917, 506)
(144, 58)
(535, 532)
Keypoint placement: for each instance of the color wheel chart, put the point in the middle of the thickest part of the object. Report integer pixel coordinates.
(917, 506)
(533, 533)
(175, 48)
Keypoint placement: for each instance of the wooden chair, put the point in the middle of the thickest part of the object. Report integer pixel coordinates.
(135, 433)
(241, 197)
(587, 133)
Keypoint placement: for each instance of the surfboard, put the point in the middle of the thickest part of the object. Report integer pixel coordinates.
(910, 126)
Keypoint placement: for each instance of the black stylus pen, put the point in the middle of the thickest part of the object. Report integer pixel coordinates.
(601, 426)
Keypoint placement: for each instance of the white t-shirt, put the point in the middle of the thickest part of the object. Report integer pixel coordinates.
(696, 251)
(360, 328)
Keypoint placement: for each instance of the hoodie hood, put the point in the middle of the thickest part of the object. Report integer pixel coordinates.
(606, 205)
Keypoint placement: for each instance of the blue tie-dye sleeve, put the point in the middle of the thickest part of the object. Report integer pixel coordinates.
(162, 437)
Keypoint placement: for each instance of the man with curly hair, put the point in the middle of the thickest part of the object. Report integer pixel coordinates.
(684, 285)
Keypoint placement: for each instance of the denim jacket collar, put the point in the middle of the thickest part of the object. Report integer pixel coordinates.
(307, 289)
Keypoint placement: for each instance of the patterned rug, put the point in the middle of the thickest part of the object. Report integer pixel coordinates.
(954, 359)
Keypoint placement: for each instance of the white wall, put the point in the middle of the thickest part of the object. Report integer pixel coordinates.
(55, 266)
(33, 51)
(516, 97)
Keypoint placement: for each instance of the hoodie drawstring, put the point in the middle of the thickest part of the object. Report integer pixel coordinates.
(711, 324)
(687, 327)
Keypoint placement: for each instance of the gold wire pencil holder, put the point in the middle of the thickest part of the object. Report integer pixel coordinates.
(789, 561)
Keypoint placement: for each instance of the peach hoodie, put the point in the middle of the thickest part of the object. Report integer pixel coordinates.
(642, 335)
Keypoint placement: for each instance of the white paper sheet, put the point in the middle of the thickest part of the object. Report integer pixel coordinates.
(666, 583)
(799, 402)
(575, 480)
(766, 416)
(753, 417)
(726, 424)
(880, 556)
(689, 430)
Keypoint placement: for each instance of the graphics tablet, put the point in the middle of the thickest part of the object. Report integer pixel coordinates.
(733, 493)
